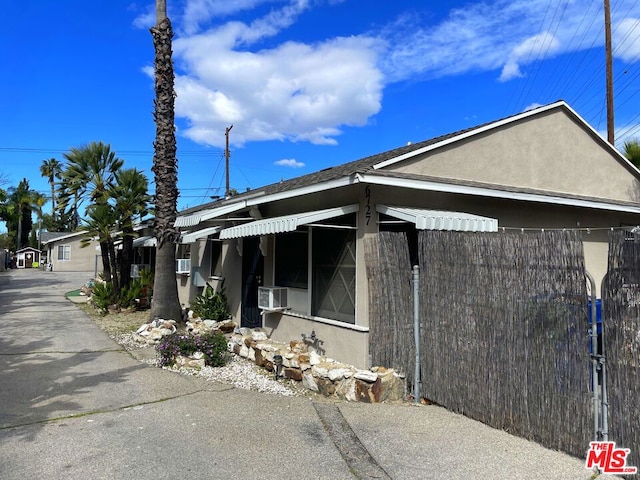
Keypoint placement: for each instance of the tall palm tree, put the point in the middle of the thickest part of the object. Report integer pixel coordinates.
(52, 169)
(37, 201)
(632, 152)
(165, 167)
(130, 199)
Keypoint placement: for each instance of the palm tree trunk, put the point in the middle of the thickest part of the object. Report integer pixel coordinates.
(106, 265)
(114, 270)
(165, 292)
(126, 256)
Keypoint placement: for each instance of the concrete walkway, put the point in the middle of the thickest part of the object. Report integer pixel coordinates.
(75, 405)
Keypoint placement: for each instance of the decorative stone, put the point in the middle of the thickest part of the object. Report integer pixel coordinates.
(293, 374)
(257, 336)
(336, 374)
(366, 375)
(290, 361)
(244, 351)
(309, 382)
(346, 389)
(143, 330)
(325, 386)
(320, 370)
(314, 358)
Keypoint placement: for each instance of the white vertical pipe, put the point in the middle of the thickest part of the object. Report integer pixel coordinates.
(416, 332)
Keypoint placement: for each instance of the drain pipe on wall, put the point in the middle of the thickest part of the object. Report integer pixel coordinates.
(416, 332)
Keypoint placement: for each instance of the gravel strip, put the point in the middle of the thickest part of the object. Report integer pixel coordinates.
(239, 372)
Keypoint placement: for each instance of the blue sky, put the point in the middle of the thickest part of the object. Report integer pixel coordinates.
(306, 84)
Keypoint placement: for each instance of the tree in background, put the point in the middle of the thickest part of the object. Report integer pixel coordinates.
(100, 222)
(37, 202)
(130, 197)
(90, 175)
(52, 170)
(632, 152)
(19, 205)
(165, 167)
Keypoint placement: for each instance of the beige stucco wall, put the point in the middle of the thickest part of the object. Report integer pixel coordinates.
(82, 259)
(350, 344)
(550, 152)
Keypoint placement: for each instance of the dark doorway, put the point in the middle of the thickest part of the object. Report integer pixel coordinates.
(252, 271)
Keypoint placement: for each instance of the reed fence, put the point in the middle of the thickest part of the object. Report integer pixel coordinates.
(621, 325)
(504, 328)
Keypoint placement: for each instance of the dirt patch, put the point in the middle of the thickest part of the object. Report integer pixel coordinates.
(117, 323)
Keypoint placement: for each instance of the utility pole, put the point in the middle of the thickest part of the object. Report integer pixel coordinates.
(226, 156)
(609, 68)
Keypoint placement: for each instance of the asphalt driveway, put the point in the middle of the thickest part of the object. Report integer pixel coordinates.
(75, 405)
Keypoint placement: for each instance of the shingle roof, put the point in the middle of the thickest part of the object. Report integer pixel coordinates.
(362, 165)
(367, 164)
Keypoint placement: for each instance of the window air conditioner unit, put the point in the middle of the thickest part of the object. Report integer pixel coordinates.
(136, 269)
(272, 298)
(183, 265)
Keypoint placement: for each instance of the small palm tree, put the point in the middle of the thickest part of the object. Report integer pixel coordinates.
(100, 223)
(52, 169)
(129, 193)
(91, 173)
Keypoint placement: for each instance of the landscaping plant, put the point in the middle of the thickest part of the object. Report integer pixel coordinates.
(102, 296)
(211, 305)
(212, 345)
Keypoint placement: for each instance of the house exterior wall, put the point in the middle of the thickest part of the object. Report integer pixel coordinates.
(547, 153)
(550, 152)
(81, 259)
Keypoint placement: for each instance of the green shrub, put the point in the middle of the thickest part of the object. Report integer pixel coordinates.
(211, 305)
(102, 296)
(213, 345)
(129, 294)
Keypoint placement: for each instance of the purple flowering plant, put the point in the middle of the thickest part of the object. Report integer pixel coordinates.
(212, 345)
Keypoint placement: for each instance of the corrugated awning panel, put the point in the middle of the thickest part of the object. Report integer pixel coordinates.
(188, 220)
(191, 237)
(441, 220)
(146, 241)
(287, 223)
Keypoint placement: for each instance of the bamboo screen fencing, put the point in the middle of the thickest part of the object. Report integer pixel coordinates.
(503, 321)
(621, 322)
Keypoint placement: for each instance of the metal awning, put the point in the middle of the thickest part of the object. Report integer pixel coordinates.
(146, 241)
(194, 219)
(288, 223)
(441, 220)
(191, 237)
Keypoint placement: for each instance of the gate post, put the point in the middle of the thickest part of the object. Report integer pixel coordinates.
(416, 332)
(593, 333)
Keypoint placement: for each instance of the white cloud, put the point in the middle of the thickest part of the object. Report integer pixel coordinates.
(500, 35)
(295, 91)
(626, 39)
(533, 48)
(289, 162)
